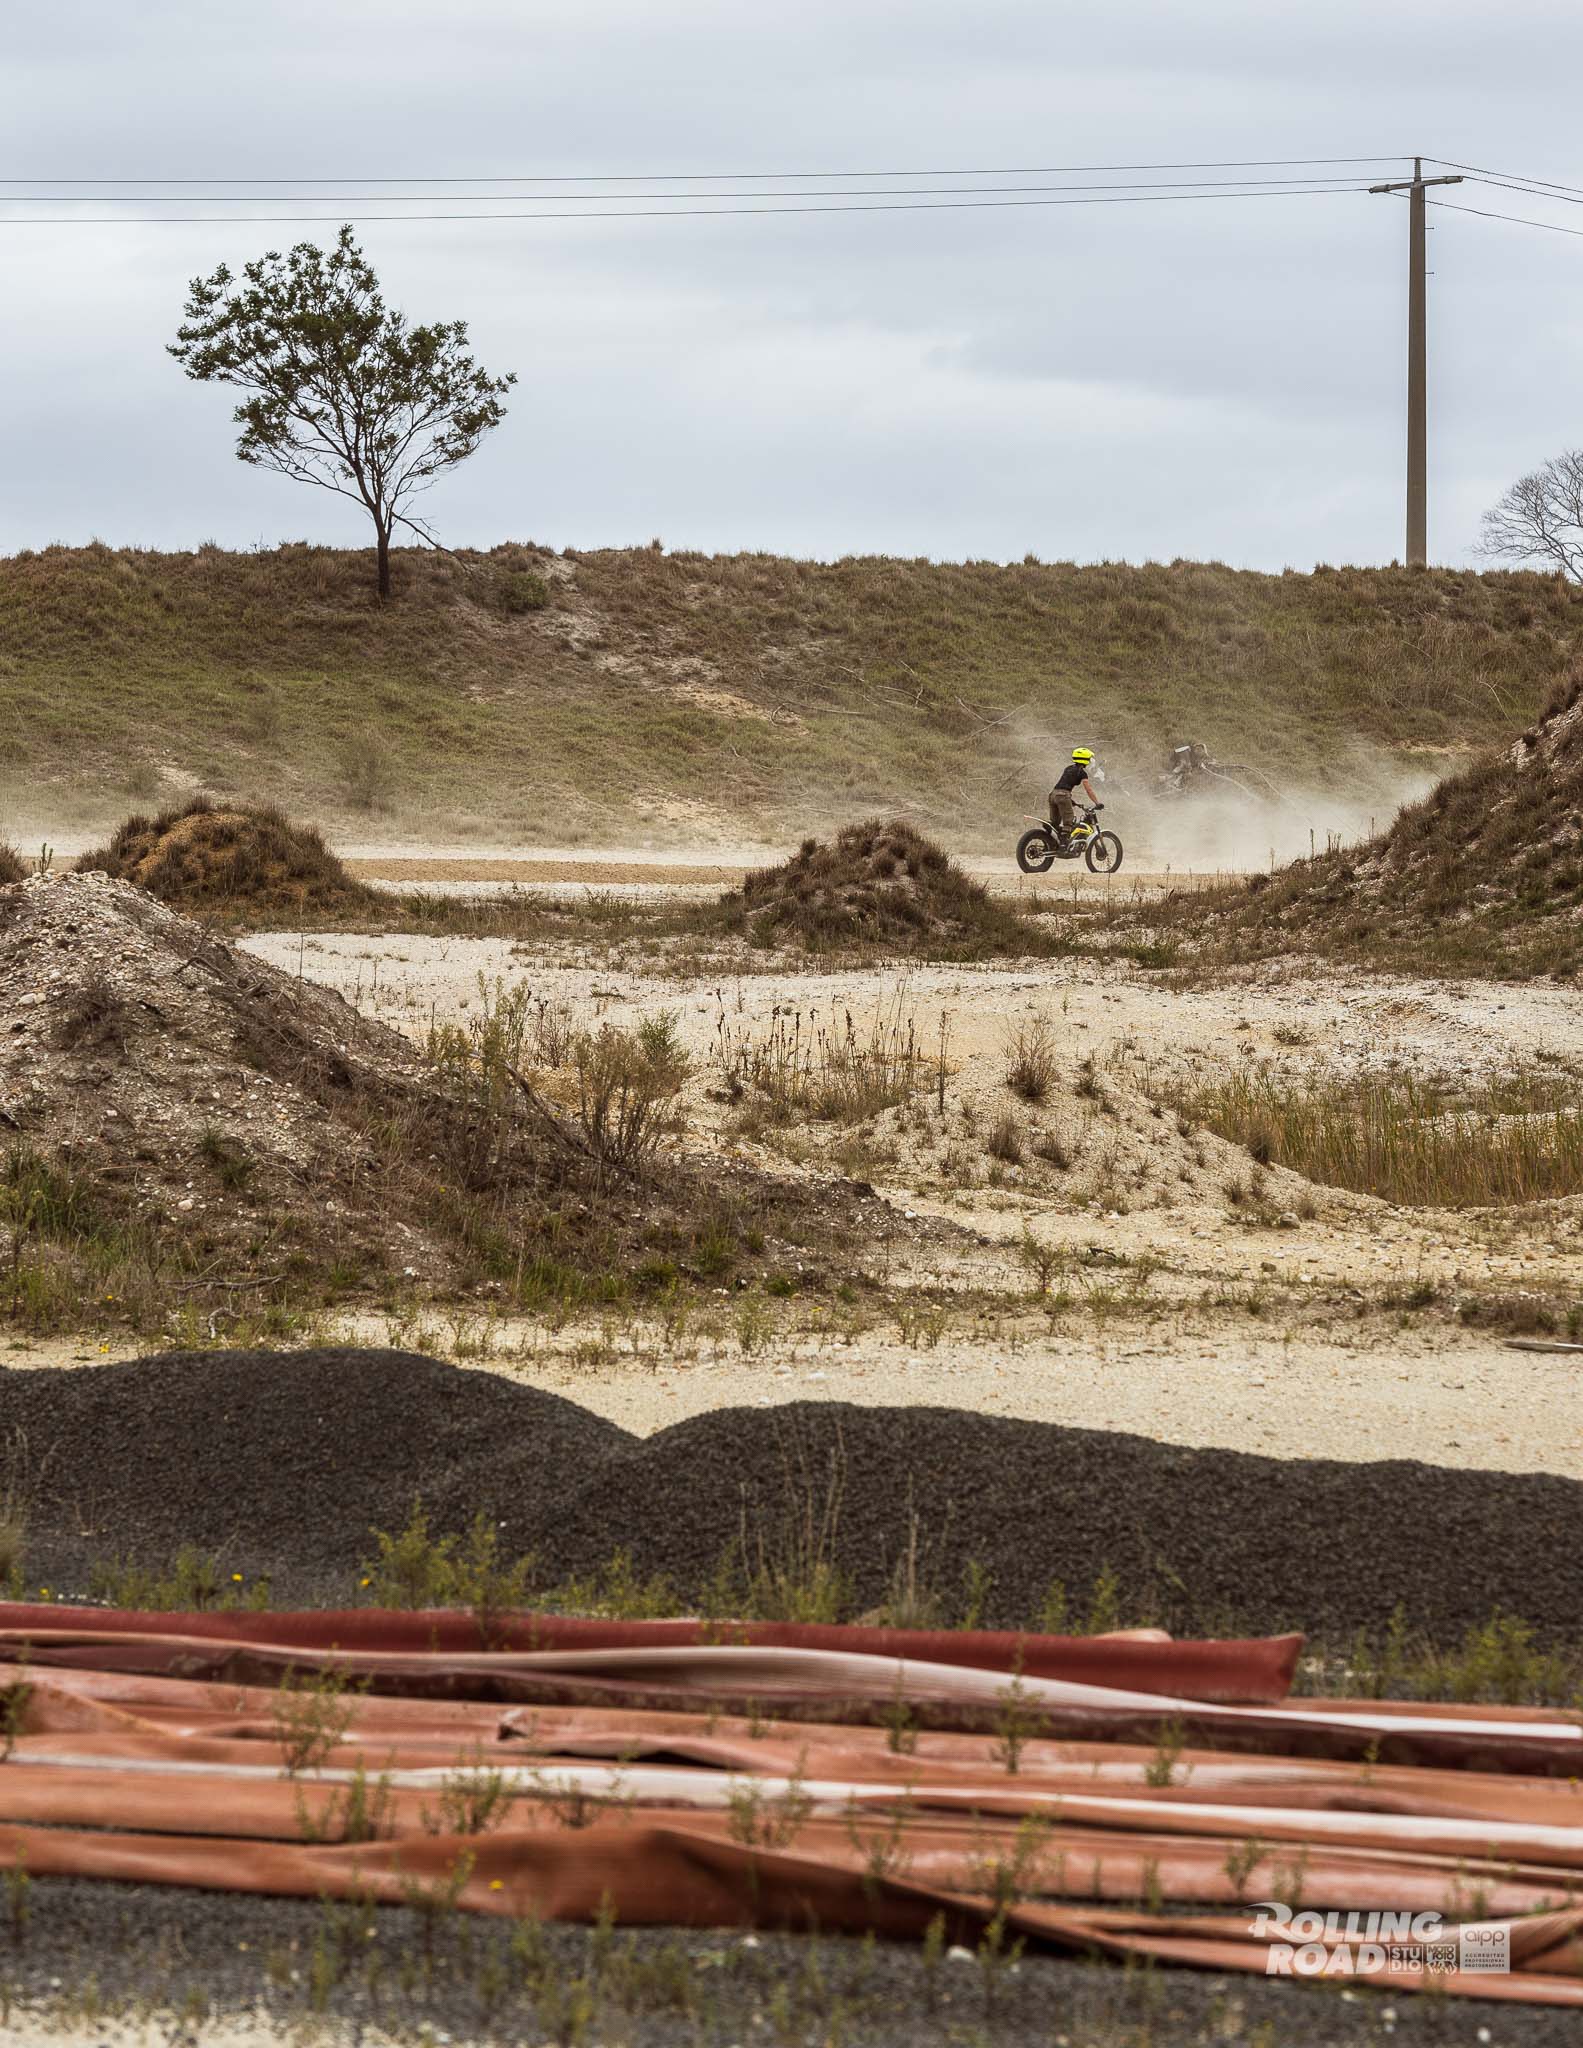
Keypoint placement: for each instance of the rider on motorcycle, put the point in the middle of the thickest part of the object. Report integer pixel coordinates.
(1063, 809)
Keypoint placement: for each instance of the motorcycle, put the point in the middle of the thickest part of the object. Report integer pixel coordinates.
(1041, 848)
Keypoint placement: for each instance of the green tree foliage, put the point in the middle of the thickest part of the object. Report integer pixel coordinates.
(341, 391)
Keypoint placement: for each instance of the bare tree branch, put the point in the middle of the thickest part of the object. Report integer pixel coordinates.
(1540, 519)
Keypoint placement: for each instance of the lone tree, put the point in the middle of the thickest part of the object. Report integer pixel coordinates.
(1540, 519)
(342, 391)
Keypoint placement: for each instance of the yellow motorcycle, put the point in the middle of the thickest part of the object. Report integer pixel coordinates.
(1041, 848)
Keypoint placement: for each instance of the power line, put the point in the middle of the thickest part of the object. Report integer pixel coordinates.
(738, 177)
(1521, 220)
(1516, 177)
(1208, 187)
(651, 213)
(1531, 191)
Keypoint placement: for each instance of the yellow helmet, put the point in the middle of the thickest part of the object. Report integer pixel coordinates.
(1083, 754)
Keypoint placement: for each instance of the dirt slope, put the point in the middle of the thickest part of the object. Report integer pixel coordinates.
(1485, 875)
(633, 694)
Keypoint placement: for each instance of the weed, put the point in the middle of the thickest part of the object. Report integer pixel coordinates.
(14, 1501)
(358, 1811)
(1241, 1862)
(523, 590)
(309, 1717)
(1104, 1608)
(472, 1800)
(1042, 1260)
(832, 1073)
(367, 772)
(1409, 1140)
(1031, 1060)
(759, 1819)
(417, 1569)
(1160, 1770)
(1016, 1720)
(1005, 1141)
(976, 1583)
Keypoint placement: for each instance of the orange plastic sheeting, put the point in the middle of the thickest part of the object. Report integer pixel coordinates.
(161, 1755)
(830, 1686)
(1255, 1672)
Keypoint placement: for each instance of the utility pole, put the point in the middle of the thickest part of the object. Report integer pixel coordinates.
(1417, 360)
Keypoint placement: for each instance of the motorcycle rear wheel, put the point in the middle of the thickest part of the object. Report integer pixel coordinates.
(1035, 851)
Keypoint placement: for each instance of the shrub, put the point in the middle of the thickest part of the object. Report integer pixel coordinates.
(11, 868)
(367, 778)
(523, 591)
(626, 1083)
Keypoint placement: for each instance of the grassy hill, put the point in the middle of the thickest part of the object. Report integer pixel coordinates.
(644, 696)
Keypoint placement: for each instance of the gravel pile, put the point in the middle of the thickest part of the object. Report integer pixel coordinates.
(284, 1462)
(1204, 1540)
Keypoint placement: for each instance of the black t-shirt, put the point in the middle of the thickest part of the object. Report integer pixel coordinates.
(1071, 777)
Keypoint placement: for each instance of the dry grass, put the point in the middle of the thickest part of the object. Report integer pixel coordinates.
(242, 860)
(878, 886)
(11, 868)
(844, 687)
(832, 1073)
(1031, 1060)
(1484, 876)
(1405, 1139)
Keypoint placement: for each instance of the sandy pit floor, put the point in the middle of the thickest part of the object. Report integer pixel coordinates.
(1182, 1316)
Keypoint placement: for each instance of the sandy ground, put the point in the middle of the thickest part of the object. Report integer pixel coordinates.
(1254, 1338)
(632, 872)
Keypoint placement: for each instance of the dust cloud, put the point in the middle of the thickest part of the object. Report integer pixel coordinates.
(1239, 821)
(1225, 830)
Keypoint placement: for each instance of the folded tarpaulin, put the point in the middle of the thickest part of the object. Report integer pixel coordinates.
(1250, 1672)
(173, 1752)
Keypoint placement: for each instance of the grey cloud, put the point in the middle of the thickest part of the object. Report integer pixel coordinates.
(1221, 380)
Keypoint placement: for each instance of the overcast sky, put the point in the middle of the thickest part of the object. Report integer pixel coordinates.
(1217, 379)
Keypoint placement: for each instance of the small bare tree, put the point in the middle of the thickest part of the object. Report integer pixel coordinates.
(1540, 519)
(344, 393)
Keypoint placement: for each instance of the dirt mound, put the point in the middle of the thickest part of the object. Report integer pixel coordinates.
(878, 884)
(1485, 875)
(11, 868)
(282, 1463)
(243, 859)
(190, 1137)
(185, 1125)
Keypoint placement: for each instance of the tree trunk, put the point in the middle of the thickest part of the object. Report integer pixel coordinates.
(382, 543)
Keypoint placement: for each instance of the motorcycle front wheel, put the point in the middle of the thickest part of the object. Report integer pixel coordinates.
(1103, 854)
(1035, 851)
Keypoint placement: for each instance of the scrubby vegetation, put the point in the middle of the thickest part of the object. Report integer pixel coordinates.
(242, 860)
(1484, 876)
(878, 885)
(635, 692)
